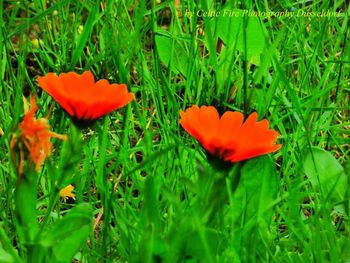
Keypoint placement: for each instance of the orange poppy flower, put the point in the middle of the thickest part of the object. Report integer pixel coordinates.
(35, 135)
(82, 98)
(228, 137)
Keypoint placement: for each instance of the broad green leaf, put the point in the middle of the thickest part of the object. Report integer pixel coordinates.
(344, 245)
(25, 200)
(252, 203)
(231, 30)
(172, 53)
(6, 257)
(69, 234)
(150, 223)
(257, 190)
(325, 173)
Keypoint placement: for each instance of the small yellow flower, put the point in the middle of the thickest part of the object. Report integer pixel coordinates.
(37, 42)
(80, 29)
(67, 192)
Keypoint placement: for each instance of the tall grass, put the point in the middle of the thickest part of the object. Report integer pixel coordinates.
(139, 170)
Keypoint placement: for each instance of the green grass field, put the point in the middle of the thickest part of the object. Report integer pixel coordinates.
(145, 190)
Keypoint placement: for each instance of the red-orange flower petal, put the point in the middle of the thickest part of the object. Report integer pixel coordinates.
(35, 136)
(228, 137)
(203, 124)
(83, 98)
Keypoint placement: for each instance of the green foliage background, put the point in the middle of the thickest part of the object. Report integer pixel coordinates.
(142, 184)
